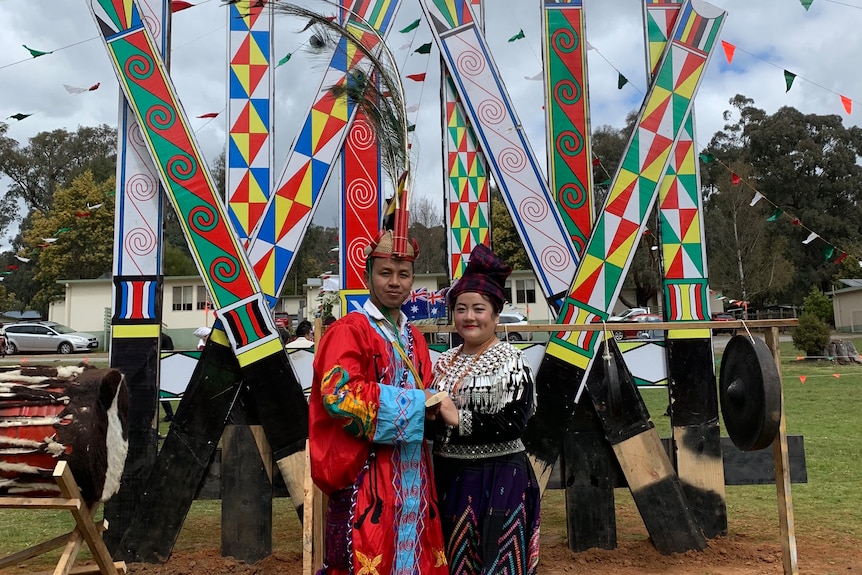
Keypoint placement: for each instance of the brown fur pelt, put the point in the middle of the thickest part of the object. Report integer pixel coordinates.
(75, 413)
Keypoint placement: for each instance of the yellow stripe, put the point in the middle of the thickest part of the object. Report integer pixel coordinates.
(260, 352)
(135, 331)
(220, 337)
(688, 333)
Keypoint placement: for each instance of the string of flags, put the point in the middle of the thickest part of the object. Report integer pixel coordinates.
(831, 253)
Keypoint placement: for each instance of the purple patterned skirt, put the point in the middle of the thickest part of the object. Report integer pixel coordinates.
(489, 509)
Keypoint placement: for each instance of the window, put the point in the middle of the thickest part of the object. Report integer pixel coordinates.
(203, 298)
(526, 291)
(183, 298)
(507, 292)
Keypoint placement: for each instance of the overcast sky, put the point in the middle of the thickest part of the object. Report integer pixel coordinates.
(822, 46)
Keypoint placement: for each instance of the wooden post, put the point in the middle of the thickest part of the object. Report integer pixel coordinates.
(782, 473)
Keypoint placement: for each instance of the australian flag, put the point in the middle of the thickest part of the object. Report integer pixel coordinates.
(424, 304)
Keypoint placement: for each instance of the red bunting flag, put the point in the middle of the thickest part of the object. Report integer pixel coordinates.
(729, 49)
(796, 222)
(596, 162)
(802, 378)
(836, 375)
(848, 104)
(735, 179)
(209, 115)
(178, 5)
(12, 267)
(841, 258)
(82, 214)
(417, 77)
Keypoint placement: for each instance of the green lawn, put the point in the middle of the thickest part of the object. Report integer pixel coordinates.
(823, 409)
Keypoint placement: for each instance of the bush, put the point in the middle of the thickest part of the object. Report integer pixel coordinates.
(812, 334)
(819, 304)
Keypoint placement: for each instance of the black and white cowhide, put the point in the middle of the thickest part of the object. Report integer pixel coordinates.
(76, 413)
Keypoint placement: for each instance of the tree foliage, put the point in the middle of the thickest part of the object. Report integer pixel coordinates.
(505, 240)
(811, 335)
(84, 238)
(819, 304)
(808, 166)
(51, 160)
(426, 225)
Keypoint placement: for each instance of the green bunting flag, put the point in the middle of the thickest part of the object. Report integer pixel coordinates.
(423, 49)
(411, 27)
(20, 116)
(517, 36)
(706, 158)
(284, 60)
(36, 53)
(605, 183)
(788, 79)
(621, 81)
(775, 215)
(828, 251)
(63, 231)
(411, 128)
(806, 4)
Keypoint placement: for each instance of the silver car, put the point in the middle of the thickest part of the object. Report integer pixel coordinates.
(47, 336)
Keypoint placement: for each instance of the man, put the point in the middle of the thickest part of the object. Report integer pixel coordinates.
(304, 336)
(366, 430)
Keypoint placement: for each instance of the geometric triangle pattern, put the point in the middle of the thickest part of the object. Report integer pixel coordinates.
(249, 109)
(635, 187)
(312, 155)
(467, 196)
(570, 162)
(680, 206)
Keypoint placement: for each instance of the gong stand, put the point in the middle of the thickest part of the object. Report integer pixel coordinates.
(85, 530)
(752, 403)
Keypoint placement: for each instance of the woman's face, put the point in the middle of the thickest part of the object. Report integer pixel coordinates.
(475, 319)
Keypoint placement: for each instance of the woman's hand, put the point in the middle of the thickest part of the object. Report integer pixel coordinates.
(448, 412)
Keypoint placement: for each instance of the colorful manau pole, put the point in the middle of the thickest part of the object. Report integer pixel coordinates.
(570, 356)
(570, 171)
(696, 436)
(249, 331)
(468, 193)
(289, 210)
(500, 135)
(250, 113)
(361, 183)
(137, 297)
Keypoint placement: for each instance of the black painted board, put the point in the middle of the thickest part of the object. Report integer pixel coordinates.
(589, 473)
(137, 359)
(184, 457)
(246, 502)
(694, 417)
(556, 385)
(662, 504)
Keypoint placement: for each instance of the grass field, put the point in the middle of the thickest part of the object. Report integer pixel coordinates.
(823, 409)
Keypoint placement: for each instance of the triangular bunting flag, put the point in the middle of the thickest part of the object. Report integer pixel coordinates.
(284, 60)
(517, 36)
(412, 26)
(788, 80)
(775, 215)
(423, 49)
(848, 104)
(209, 115)
(757, 197)
(827, 253)
(735, 179)
(841, 258)
(729, 49)
(621, 81)
(36, 53)
(178, 5)
(806, 4)
(20, 116)
(417, 77)
(811, 237)
(802, 378)
(534, 77)
(21, 259)
(74, 89)
(706, 158)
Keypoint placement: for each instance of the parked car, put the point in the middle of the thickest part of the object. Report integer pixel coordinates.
(509, 322)
(630, 312)
(638, 331)
(723, 317)
(48, 336)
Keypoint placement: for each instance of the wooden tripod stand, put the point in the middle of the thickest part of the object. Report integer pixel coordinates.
(85, 529)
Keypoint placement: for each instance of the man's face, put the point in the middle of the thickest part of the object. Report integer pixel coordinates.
(390, 282)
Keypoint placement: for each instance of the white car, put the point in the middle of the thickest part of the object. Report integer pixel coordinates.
(47, 336)
(632, 311)
(509, 322)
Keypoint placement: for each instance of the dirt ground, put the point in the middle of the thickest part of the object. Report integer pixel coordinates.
(737, 555)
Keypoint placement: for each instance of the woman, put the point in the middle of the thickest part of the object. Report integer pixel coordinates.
(489, 497)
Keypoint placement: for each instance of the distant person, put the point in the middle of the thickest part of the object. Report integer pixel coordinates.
(2, 341)
(304, 336)
(203, 333)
